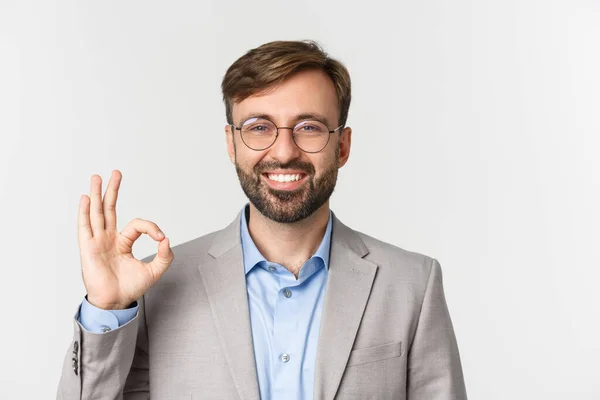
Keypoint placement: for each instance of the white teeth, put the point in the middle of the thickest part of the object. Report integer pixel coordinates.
(284, 178)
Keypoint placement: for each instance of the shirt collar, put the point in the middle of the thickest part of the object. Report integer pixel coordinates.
(252, 255)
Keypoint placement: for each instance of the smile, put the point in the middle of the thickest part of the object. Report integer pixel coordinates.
(284, 177)
(285, 181)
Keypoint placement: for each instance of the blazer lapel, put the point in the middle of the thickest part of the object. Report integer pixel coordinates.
(225, 284)
(349, 283)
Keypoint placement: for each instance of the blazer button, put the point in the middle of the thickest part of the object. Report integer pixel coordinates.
(74, 365)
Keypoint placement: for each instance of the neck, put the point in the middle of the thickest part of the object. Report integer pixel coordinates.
(288, 244)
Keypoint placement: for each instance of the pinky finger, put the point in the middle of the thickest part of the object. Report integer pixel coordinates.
(84, 227)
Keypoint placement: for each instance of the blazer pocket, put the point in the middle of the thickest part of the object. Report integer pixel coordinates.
(376, 353)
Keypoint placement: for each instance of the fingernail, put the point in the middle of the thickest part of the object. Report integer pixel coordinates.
(160, 234)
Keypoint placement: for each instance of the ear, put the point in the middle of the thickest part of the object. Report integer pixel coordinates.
(344, 147)
(230, 143)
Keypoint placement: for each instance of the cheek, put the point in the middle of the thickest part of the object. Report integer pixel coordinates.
(247, 159)
(326, 162)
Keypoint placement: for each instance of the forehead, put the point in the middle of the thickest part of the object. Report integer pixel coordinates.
(310, 91)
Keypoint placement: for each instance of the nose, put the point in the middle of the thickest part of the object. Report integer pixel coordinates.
(284, 149)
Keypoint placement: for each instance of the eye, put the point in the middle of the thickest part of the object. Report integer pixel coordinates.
(258, 128)
(310, 127)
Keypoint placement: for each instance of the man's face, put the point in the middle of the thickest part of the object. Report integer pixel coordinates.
(307, 92)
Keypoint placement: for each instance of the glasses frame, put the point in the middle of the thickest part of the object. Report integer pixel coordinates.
(277, 128)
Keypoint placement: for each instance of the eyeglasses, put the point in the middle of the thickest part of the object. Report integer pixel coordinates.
(309, 135)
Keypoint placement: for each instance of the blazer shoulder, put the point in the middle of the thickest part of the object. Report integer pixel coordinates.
(396, 261)
(196, 248)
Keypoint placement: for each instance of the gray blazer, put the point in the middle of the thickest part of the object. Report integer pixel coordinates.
(385, 332)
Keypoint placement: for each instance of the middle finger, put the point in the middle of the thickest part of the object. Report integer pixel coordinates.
(96, 213)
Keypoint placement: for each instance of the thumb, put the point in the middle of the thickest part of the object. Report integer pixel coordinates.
(163, 257)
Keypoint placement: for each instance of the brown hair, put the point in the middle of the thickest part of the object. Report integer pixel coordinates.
(271, 63)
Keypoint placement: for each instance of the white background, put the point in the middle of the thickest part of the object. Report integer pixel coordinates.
(476, 137)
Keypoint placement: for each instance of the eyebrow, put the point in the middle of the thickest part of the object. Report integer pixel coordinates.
(296, 119)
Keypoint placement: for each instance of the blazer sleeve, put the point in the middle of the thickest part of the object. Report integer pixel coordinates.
(434, 366)
(110, 365)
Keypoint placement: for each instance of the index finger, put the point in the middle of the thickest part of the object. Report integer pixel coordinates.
(84, 227)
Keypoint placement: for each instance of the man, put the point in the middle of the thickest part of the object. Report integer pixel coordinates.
(286, 302)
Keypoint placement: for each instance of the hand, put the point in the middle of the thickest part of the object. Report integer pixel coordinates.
(112, 277)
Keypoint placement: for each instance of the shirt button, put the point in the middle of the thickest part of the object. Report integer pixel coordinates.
(271, 268)
(287, 293)
(104, 329)
(285, 357)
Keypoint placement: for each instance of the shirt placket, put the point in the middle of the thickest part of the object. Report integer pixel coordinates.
(288, 337)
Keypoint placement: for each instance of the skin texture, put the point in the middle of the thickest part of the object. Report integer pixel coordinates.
(288, 225)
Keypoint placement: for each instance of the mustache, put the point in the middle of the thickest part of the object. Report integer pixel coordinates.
(265, 166)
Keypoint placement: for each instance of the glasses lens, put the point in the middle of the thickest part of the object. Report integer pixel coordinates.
(311, 136)
(258, 134)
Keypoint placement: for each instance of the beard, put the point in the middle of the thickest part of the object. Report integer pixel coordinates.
(288, 206)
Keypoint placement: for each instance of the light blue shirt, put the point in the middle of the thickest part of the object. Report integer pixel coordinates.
(285, 317)
(97, 320)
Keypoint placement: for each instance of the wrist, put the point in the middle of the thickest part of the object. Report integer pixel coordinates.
(110, 306)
